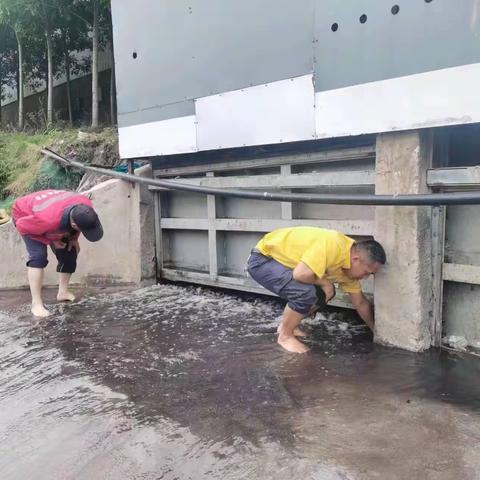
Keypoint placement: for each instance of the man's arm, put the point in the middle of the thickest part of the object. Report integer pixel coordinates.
(364, 308)
(304, 274)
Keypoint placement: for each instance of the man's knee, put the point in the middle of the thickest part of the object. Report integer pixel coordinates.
(37, 262)
(37, 253)
(303, 298)
(67, 260)
(67, 267)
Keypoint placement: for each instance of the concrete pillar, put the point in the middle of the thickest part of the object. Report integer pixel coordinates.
(146, 215)
(404, 289)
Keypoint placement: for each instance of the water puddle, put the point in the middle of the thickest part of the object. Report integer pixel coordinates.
(183, 382)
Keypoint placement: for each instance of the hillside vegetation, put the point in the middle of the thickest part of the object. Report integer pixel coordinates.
(23, 168)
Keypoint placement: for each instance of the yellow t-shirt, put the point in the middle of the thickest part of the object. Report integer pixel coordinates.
(326, 252)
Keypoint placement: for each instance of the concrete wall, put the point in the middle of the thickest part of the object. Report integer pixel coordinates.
(124, 255)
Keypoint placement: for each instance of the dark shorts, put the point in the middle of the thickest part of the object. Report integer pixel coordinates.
(279, 279)
(38, 258)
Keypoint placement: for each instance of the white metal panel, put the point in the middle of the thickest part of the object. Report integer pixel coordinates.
(276, 112)
(442, 97)
(176, 135)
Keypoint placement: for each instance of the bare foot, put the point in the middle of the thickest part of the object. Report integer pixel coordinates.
(299, 333)
(39, 310)
(296, 331)
(291, 344)
(65, 296)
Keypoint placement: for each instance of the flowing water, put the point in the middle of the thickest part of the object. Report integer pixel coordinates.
(172, 382)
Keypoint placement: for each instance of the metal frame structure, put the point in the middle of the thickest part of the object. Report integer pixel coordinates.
(221, 232)
(457, 179)
(357, 177)
(206, 82)
(348, 170)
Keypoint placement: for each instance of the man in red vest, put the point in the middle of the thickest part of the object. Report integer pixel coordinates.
(54, 218)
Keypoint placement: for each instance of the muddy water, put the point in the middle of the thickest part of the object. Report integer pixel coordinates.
(176, 382)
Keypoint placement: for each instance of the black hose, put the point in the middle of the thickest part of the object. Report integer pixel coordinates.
(451, 198)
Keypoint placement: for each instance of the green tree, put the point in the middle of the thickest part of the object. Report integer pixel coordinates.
(71, 35)
(14, 16)
(96, 14)
(7, 62)
(46, 13)
(46, 32)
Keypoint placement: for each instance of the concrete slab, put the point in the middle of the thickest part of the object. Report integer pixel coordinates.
(177, 382)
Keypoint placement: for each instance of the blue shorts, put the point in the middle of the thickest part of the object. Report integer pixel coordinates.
(279, 279)
(37, 256)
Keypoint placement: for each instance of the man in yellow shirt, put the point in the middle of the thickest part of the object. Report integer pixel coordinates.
(301, 264)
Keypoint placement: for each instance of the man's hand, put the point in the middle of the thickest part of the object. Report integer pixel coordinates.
(58, 244)
(329, 290)
(327, 287)
(364, 309)
(74, 244)
(304, 274)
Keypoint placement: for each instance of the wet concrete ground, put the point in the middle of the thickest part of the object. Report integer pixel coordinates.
(173, 382)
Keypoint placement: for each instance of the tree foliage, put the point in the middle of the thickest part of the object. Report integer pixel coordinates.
(43, 40)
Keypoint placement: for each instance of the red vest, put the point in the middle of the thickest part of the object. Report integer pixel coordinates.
(39, 214)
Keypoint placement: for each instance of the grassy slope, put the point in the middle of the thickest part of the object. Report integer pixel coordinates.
(23, 168)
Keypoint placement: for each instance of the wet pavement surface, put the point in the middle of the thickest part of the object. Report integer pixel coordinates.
(173, 382)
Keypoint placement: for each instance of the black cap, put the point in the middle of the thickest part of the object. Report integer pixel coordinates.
(88, 222)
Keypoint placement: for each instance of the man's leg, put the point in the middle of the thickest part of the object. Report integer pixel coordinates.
(35, 280)
(286, 331)
(301, 301)
(64, 295)
(67, 264)
(297, 331)
(37, 261)
(301, 297)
